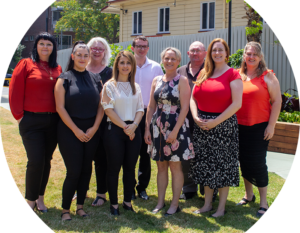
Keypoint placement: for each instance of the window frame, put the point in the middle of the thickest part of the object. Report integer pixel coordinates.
(26, 38)
(164, 20)
(137, 26)
(207, 18)
(31, 38)
(53, 12)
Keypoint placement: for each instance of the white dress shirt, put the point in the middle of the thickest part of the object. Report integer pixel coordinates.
(124, 103)
(144, 77)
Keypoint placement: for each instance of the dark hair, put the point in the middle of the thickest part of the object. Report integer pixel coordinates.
(140, 38)
(71, 62)
(79, 45)
(53, 56)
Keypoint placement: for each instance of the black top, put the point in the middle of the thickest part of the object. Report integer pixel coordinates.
(82, 93)
(106, 75)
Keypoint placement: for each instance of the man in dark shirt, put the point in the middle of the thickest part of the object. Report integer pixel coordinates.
(196, 53)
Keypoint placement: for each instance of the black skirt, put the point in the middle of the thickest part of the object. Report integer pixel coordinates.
(253, 152)
(216, 153)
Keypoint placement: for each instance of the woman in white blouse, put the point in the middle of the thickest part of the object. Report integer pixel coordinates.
(123, 105)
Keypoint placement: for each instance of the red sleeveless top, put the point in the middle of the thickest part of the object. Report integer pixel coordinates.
(256, 107)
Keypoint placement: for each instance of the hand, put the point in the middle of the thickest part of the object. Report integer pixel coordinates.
(209, 124)
(81, 135)
(200, 122)
(131, 136)
(19, 120)
(147, 137)
(91, 132)
(172, 137)
(269, 132)
(130, 129)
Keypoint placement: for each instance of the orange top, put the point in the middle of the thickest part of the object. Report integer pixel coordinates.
(256, 107)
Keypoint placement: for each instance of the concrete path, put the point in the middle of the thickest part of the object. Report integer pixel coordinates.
(278, 163)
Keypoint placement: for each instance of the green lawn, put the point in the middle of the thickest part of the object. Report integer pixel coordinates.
(237, 219)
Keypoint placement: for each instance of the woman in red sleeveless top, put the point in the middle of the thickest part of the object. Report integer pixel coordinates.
(216, 97)
(256, 119)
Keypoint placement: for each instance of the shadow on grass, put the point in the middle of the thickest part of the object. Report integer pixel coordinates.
(99, 220)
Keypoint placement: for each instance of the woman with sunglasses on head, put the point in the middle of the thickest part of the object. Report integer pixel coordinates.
(32, 104)
(216, 97)
(123, 104)
(257, 119)
(77, 96)
(100, 54)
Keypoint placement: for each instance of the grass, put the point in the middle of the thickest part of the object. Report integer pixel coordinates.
(237, 219)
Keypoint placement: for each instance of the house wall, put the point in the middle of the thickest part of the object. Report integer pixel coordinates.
(184, 17)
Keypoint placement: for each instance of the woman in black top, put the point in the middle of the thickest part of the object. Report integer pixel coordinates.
(77, 96)
(100, 54)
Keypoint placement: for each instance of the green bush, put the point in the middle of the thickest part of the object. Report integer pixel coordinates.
(235, 60)
(115, 49)
(291, 117)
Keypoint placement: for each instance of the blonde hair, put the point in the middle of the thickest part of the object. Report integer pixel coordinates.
(107, 52)
(131, 76)
(176, 51)
(262, 67)
(209, 65)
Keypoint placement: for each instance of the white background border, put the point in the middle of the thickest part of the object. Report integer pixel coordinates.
(17, 16)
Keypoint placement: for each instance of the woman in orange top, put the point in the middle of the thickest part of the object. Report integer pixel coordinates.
(256, 119)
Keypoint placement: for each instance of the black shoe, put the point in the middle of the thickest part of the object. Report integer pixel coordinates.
(133, 197)
(261, 214)
(177, 210)
(187, 196)
(42, 211)
(84, 215)
(143, 195)
(155, 211)
(114, 211)
(68, 219)
(97, 199)
(126, 207)
(244, 201)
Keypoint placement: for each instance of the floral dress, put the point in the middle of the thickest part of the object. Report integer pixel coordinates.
(166, 95)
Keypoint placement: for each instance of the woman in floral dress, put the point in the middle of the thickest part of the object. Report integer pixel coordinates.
(169, 139)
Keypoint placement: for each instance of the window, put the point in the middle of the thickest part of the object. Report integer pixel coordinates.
(26, 38)
(56, 15)
(164, 19)
(207, 16)
(31, 38)
(66, 41)
(137, 23)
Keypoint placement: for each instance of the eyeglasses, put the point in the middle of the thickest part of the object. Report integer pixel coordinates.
(141, 46)
(196, 51)
(97, 50)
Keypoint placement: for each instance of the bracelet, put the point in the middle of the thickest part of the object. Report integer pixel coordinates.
(135, 124)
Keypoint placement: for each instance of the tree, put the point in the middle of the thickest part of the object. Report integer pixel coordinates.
(87, 21)
(254, 25)
(16, 57)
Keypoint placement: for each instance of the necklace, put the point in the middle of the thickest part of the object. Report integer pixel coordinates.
(50, 73)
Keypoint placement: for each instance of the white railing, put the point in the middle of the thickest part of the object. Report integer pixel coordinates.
(274, 53)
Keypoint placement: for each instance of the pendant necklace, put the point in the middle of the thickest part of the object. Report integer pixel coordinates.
(50, 74)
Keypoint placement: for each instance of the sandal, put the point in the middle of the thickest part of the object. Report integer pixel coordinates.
(69, 219)
(84, 215)
(245, 201)
(97, 199)
(261, 214)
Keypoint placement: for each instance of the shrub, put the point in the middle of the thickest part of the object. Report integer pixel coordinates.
(291, 117)
(115, 49)
(235, 60)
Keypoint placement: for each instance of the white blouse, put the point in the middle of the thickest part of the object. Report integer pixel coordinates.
(124, 103)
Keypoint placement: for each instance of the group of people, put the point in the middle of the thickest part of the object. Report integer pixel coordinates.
(203, 120)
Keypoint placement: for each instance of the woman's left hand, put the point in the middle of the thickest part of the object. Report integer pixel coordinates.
(131, 136)
(172, 137)
(91, 132)
(130, 129)
(209, 124)
(269, 132)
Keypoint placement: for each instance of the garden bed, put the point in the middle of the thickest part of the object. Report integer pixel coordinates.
(285, 138)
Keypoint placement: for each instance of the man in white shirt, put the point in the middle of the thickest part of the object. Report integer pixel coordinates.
(146, 71)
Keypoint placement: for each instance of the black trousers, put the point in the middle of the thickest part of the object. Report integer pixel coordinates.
(39, 135)
(121, 152)
(78, 157)
(101, 167)
(144, 173)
